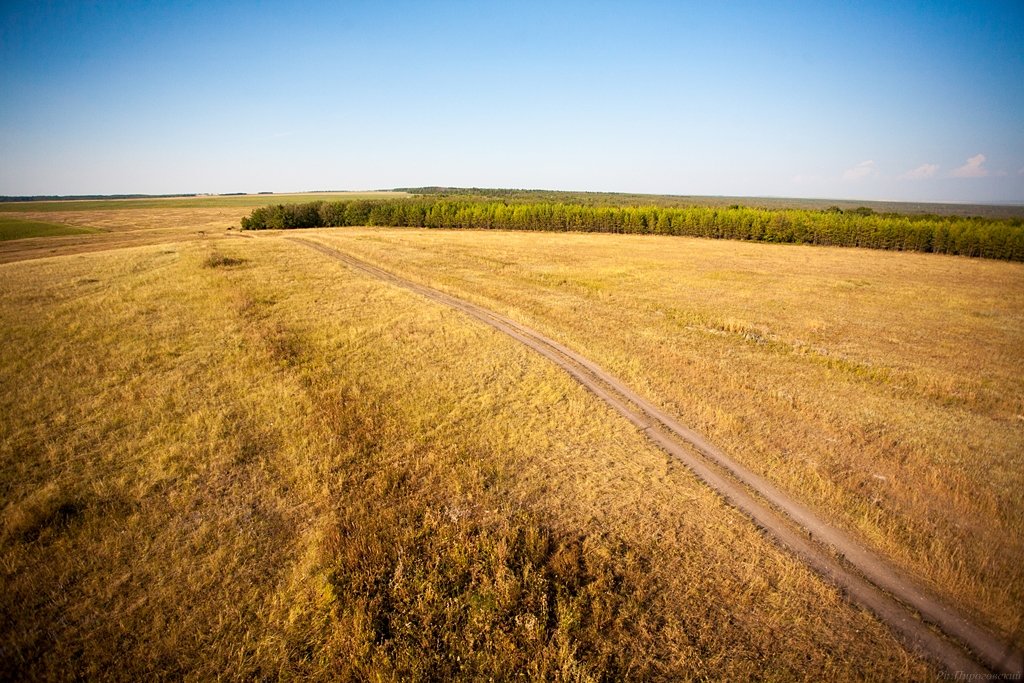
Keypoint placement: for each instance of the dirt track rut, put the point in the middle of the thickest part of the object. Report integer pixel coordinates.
(929, 626)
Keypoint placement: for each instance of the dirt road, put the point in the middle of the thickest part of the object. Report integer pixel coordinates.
(928, 625)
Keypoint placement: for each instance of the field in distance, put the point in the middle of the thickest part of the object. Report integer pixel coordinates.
(236, 457)
(16, 228)
(59, 227)
(188, 202)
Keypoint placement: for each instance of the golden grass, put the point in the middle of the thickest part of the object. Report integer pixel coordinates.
(886, 390)
(121, 228)
(279, 468)
(134, 222)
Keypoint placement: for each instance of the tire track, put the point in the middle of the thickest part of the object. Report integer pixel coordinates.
(953, 640)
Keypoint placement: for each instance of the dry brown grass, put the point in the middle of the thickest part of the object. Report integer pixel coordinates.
(283, 469)
(886, 390)
(136, 222)
(121, 228)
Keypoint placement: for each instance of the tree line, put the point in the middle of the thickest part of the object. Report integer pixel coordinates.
(978, 237)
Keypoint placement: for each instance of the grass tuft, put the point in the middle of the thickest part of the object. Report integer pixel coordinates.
(45, 512)
(218, 260)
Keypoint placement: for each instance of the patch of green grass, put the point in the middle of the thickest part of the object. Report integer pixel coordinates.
(16, 229)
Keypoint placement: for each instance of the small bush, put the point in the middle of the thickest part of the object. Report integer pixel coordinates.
(217, 260)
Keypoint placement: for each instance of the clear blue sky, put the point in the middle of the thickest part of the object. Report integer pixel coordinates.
(875, 100)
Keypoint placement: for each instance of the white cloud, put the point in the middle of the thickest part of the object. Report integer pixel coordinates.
(862, 170)
(974, 168)
(922, 171)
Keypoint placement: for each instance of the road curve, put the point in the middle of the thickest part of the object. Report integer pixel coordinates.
(936, 630)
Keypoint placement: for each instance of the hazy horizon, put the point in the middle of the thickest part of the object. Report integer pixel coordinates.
(869, 102)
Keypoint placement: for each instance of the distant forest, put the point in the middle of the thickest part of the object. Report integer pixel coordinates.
(835, 226)
(682, 201)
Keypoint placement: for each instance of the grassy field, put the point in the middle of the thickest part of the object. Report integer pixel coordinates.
(134, 222)
(251, 462)
(233, 457)
(197, 202)
(13, 228)
(886, 390)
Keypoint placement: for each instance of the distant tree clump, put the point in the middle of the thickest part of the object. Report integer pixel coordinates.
(862, 227)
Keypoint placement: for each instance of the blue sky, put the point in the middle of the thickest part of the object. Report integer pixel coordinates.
(920, 101)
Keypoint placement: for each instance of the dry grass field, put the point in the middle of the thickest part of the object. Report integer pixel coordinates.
(98, 225)
(886, 390)
(236, 458)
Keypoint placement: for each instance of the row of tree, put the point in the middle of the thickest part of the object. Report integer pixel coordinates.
(988, 238)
